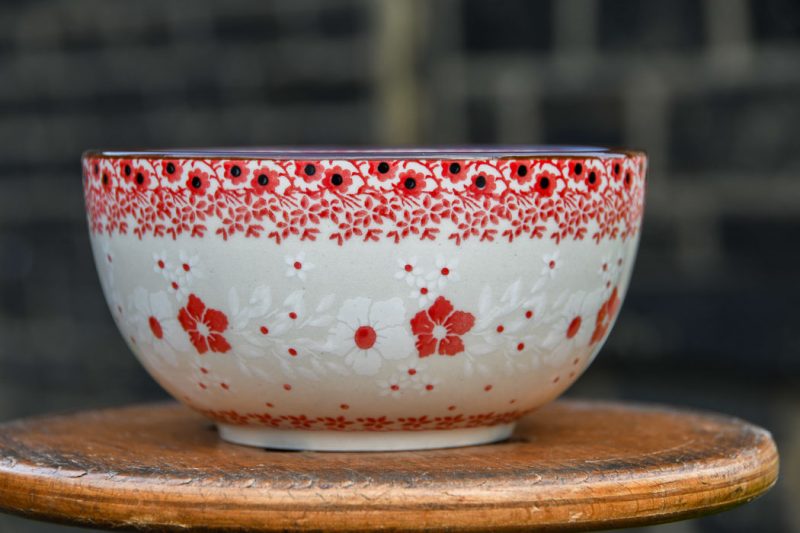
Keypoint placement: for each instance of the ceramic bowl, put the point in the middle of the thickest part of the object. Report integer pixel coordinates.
(365, 299)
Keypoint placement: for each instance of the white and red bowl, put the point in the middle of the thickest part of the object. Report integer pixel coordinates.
(365, 299)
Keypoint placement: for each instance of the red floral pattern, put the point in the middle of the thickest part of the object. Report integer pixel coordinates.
(456, 200)
(235, 171)
(171, 169)
(379, 423)
(205, 326)
(605, 315)
(439, 328)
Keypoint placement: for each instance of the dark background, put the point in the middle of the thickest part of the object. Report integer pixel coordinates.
(710, 88)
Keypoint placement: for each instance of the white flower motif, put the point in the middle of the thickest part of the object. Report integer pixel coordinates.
(536, 303)
(188, 269)
(446, 271)
(571, 331)
(409, 271)
(426, 385)
(200, 375)
(424, 292)
(508, 327)
(158, 332)
(414, 370)
(161, 264)
(551, 264)
(298, 266)
(368, 332)
(618, 264)
(108, 257)
(176, 285)
(260, 327)
(201, 380)
(394, 386)
(610, 272)
(606, 268)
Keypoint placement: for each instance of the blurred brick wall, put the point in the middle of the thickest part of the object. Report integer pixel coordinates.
(710, 88)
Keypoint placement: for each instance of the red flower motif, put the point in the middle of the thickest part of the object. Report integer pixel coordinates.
(300, 421)
(197, 182)
(615, 169)
(140, 177)
(337, 423)
(172, 170)
(546, 183)
(593, 178)
(383, 170)
(447, 422)
(439, 328)
(627, 179)
(481, 419)
(266, 419)
(576, 170)
(414, 422)
(236, 172)
(605, 315)
(307, 170)
(520, 171)
(482, 184)
(375, 423)
(105, 179)
(265, 180)
(94, 170)
(337, 179)
(410, 183)
(205, 326)
(126, 169)
(455, 171)
(233, 417)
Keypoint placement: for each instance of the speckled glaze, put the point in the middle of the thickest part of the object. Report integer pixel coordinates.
(365, 299)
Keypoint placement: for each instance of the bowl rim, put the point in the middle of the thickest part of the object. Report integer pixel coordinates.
(443, 152)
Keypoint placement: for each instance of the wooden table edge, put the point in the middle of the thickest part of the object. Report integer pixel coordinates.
(80, 501)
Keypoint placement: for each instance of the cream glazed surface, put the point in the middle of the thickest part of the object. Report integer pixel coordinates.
(359, 342)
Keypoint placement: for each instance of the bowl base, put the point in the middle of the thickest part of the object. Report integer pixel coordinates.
(362, 441)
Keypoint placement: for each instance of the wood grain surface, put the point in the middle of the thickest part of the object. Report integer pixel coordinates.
(570, 466)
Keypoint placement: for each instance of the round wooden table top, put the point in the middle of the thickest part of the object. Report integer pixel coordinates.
(570, 466)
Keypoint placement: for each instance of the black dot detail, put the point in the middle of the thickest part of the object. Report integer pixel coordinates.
(310, 169)
(522, 171)
(337, 180)
(544, 183)
(127, 170)
(592, 177)
(96, 168)
(480, 182)
(197, 182)
(383, 167)
(578, 169)
(139, 178)
(170, 168)
(105, 178)
(454, 168)
(236, 171)
(616, 168)
(263, 180)
(410, 183)
(627, 178)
